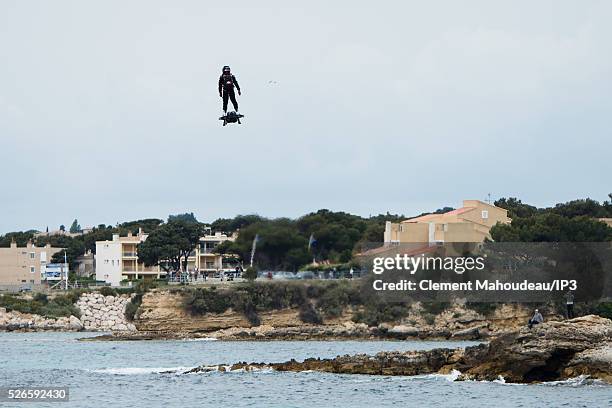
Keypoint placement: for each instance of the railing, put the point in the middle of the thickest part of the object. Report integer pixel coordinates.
(130, 254)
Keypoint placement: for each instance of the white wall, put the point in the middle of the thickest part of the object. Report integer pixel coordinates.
(108, 262)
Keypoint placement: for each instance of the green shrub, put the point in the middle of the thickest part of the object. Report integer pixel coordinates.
(59, 306)
(202, 301)
(107, 291)
(308, 314)
(132, 307)
(377, 311)
(604, 309)
(333, 301)
(429, 318)
(435, 308)
(483, 308)
(250, 273)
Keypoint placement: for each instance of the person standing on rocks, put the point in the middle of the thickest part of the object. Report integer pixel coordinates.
(569, 304)
(536, 319)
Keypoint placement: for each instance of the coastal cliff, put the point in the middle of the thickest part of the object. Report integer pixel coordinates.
(162, 314)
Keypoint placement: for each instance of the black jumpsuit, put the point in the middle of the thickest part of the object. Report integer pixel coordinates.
(227, 83)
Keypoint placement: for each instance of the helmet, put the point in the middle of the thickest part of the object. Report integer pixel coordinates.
(226, 68)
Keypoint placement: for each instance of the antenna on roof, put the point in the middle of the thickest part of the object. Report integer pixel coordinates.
(488, 200)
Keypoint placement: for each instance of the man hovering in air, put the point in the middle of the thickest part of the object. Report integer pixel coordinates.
(227, 81)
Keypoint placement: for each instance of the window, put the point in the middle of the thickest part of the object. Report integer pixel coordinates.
(32, 255)
(485, 214)
(32, 269)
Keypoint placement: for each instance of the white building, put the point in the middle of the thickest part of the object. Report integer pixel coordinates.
(117, 260)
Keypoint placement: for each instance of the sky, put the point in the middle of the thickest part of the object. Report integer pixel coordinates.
(109, 110)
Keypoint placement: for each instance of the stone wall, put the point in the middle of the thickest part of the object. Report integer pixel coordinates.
(99, 312)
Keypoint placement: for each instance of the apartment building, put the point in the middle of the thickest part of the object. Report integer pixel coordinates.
(25, 265)
(470, 223)
(117, 260)
(206, 260)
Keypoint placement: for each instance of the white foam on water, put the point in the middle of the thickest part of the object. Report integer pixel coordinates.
(452, 376)
(202, 339)
(139, 370)
(581, 380)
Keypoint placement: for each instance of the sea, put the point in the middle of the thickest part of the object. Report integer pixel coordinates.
(148, 374)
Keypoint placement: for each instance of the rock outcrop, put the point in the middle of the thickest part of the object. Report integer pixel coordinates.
(99, 312)
(17, 321)
(548, 352)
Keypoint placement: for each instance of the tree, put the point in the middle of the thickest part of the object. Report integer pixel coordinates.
(21, 238)
(188, 217)
(170, 243)
(250, 273)
(73, 250)
(75, 227)
(147, 225)
(229, 225)
(62, 228)
(516, 208)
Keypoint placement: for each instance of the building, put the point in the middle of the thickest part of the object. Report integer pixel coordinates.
(117, 260)
(470, 223)
(206, 260)
(85, 265)
(24, 265)
(607, 221)
(64, 232)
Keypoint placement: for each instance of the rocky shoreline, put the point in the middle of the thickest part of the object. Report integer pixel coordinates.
(98, 313)
(548, 352)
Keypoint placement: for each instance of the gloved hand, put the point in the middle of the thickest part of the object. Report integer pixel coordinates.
(220, 95)
(239, 93)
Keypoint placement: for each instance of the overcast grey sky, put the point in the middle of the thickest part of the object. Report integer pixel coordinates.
(108, 109)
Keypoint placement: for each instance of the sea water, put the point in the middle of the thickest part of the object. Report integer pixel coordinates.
(150, 374)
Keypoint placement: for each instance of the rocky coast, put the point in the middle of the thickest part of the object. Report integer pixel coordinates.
(548, 352)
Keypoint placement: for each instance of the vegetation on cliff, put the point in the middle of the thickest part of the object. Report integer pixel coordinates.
(316, 301)
(41, 304)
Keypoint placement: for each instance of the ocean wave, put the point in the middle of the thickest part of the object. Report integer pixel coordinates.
(202, 339)
(140, 370)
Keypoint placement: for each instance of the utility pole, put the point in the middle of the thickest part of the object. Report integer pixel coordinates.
(66, 266)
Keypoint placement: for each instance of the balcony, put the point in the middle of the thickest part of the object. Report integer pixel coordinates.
(129, 254)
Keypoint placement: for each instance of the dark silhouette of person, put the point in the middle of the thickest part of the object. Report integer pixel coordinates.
(227, 82)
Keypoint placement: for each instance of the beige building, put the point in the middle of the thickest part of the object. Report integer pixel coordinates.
(117, 260)
(607, 221)
(24, 265)
(205, 259)
(470, 223)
